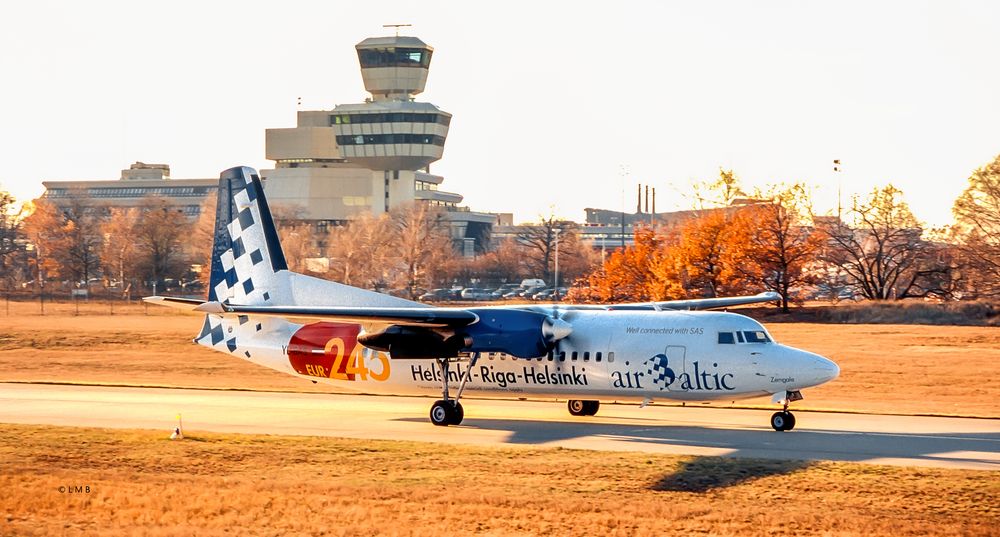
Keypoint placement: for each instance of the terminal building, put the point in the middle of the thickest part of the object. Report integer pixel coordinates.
(335, 165)
(138, 182)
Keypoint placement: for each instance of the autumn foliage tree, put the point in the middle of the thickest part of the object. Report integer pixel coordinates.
(776, 241)
(627, 274)
(763, 243)
(66, 241)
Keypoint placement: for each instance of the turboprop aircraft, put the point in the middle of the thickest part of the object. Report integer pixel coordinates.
(360, 340)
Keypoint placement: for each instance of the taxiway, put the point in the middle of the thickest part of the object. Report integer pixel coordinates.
(693, 430)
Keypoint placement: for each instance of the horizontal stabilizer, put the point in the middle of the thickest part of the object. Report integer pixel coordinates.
(429, 317)
(189, 305)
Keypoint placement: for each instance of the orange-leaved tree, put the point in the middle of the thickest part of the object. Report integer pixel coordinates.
(775, 242)
(626, 274)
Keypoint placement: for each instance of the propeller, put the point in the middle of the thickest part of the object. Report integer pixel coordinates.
(556, 328)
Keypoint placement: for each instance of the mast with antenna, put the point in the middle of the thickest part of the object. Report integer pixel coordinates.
(397, 27)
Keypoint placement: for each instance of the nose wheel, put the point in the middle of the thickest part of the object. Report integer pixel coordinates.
(783, 421)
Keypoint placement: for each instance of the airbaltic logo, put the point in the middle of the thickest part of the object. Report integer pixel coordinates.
(666, 379)
(661, 374)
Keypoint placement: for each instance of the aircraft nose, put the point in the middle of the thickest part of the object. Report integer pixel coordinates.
(826, 369)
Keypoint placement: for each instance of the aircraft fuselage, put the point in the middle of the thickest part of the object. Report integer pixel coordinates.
(623, 355)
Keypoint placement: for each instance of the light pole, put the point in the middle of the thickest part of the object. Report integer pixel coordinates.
(556, 286)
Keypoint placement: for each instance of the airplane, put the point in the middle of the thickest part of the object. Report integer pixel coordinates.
(363, 341)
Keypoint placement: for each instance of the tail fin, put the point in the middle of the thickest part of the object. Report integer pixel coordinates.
(246, 253)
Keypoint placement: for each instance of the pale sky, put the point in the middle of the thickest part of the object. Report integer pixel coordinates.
(551, 100)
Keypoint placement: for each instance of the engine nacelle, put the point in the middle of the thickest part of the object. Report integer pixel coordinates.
(518, 333)
(413, 342)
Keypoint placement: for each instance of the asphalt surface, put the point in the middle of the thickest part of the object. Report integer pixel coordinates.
(691, 430)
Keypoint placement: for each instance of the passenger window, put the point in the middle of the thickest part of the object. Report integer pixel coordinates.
(611, 356)
(573, 358)
(726, 338)
(597, 357)
(586, 356)
(562, 356)
(551, 355)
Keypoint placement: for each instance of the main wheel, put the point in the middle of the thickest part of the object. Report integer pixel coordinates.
(782, 421)
(577, 407)
(442, 413)
(458, 413)
(591, 407)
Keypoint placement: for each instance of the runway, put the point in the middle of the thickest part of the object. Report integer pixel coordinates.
(692, 430)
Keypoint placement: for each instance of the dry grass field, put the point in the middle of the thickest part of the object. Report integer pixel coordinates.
(909, 369)
(212, 484)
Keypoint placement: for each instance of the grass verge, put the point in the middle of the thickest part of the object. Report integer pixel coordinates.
(140, 482)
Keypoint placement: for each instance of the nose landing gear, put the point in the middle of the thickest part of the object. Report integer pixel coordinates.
(785, 420)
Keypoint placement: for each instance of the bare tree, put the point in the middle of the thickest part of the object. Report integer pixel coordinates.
(118, 253)
(539, 241)
(12, 245)
(883, 252)
(298, 242)
(977, 219)
(718, 193)
(504, 263)
(160, 237)
(422, 245)
(199, 248)
(360, 252)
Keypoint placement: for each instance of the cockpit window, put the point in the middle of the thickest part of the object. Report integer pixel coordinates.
(756, 336)
(726, 338)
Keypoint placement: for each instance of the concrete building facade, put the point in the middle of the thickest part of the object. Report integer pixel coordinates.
(138, 182)
(370, 157)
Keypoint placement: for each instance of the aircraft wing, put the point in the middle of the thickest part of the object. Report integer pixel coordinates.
(428, 317)
(715, 303)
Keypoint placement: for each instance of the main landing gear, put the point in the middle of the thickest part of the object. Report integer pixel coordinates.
(785, 420)
(583, 408)
(447, 411)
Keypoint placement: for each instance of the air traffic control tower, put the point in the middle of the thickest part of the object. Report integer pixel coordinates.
(371, 156)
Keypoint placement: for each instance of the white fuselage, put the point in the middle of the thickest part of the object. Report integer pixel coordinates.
(611, 355)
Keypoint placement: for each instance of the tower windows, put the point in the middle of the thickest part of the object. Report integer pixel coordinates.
(374, 139)
(391, 117)
(394, 57)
